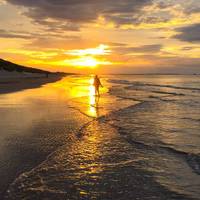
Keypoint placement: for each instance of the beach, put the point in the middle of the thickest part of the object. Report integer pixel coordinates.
(139, 140)
(15, 81)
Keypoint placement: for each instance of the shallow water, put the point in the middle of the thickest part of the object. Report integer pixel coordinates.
(139, 140)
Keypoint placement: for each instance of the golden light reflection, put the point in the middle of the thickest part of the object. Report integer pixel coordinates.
(82, 93)
(93, 100)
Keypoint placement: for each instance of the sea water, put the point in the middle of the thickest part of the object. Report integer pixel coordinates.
(139, 140)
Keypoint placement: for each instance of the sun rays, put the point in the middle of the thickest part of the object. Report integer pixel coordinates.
(88, 57)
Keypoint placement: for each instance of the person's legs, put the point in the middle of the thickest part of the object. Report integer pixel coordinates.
(96, 91)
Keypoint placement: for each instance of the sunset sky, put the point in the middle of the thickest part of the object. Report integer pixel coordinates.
(102, 36)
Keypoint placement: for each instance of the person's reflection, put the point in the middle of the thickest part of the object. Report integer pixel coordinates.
(96, 106)
(94, 101)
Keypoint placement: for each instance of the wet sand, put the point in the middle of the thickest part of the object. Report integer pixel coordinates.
(8, 85)
(62, 142)
(20, 155)
(38, 121)
(24, 141)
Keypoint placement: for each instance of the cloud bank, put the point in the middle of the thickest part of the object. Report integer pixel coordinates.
(189, 33)
(71, 14)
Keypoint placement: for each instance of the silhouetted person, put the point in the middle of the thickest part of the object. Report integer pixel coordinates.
(96, 84)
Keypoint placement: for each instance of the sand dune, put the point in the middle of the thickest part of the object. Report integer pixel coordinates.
(14, 75)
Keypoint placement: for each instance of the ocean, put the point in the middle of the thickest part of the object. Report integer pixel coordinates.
(139, 140)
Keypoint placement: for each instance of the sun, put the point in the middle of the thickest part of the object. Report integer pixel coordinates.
(85, 62)
(88, 61)
(91, 57)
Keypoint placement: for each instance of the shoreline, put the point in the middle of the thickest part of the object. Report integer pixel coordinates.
(51, 147)
(9, 85)
(22, 184)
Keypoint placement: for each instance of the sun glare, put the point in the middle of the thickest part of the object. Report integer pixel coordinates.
(82, 58)
(85, 62)
(86, 57)
(102, 49)
(82, 62)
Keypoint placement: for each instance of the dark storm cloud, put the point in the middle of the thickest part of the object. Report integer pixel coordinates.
(69, 12)
(189, 33)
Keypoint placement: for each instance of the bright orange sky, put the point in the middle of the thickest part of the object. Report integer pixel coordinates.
(107, 36)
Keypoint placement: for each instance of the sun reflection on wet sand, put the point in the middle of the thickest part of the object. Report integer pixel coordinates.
(93, 100)
(82, 93)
